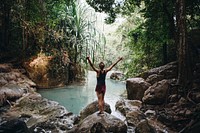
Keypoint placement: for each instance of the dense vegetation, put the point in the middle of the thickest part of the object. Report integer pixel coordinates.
(157, 32)
(60, 29)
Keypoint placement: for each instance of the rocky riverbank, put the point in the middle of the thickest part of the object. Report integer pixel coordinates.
(22, 107)
(23, 110)
(153, 105)
(161, 98)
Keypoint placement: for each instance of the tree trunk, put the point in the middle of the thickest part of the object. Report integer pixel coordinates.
(183, 65)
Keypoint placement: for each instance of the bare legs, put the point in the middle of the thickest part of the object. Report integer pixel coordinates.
(100, 102)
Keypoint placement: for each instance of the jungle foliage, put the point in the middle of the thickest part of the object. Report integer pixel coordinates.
(31, 26)
(58, 28)
(151, 29)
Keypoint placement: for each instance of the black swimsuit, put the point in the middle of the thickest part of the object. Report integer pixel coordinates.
(101, 86)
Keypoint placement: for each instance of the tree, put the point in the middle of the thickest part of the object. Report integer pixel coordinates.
(184, 70)
(164, 29)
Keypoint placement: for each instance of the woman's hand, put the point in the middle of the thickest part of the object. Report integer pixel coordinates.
(120, 58)
(87, 57)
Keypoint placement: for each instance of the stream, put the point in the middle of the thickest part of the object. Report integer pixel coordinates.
(77, 96)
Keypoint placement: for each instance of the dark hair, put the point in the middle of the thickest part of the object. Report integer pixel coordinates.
(101, 65)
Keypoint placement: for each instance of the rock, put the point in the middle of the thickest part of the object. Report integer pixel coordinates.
(165, 117)
(46, 74)
(117, 75)
(39, 114)
(181, 112)
(136, 88)
(154, 78)
(28, 81)
(101, 124)
(159, 127)
(156, 94)
(120, 106)
(169, 71)
(195, 96)
(131, 110)
(14, 126)
(22, 71)
(144, 127)
(188, 113)
(98, 128)
(125, 106)
(182, 101)
(3, 81)
(5, 68)
(174, 107)
(12, 82)
(173, 98)
(10, 92)
(92, 108)
(134, 117)
(42, 113)
(150, 113)
(10, 76)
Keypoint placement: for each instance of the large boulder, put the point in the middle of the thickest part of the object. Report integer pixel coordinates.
(144, 127)
(169, 71)
(117, 75)
(154, 78)
(131, 110)
(101, 124)
(125, 106)
(13, 84)
(47, 72)
(92, 108)
(10, 92)
(136, 87)
(157, 93)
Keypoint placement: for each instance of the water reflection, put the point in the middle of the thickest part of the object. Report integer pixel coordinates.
(76, 97)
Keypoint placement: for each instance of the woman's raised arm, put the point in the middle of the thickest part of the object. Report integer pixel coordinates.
(91, 64)
(110, 67)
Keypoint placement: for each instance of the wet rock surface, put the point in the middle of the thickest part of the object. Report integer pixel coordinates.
(23, 110)
(144, 127)
(136, 87)
(41, 113)
(103, 123)
(144, 122)
(165, 106)
(92, 108)
(156, 94)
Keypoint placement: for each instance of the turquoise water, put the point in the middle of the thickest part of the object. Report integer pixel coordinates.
(75, 97)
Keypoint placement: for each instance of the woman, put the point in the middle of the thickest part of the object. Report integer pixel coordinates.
(101, 86)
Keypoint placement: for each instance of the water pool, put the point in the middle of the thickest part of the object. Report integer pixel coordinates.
(75, 97)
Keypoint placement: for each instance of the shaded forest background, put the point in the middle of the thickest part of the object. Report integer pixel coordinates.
(64, 33)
